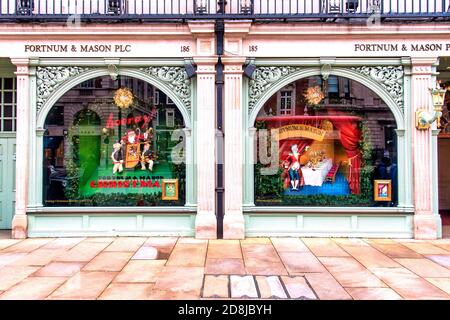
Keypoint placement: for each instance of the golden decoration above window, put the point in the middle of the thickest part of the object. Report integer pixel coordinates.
(123, 98)
(314, 95)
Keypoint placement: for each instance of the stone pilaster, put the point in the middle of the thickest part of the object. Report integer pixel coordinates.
(206, 222)
(20, 222)
(233, 224)
(426, 223)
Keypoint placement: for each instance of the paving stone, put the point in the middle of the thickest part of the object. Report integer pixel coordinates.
(146, 253)
(326, 287)
(33, 288)
(350, 273)
(127, 291)
(373, 294)
(289, 245)
(84, 285)
(28, 245)
(59, 269)
(425, 268)
(215, 287)
(10, 257)
(301, 262)
(425, 248)
(243, 287)
(63, 243)
(109, 261)
(270, 287)
(324, 247)
(164, 245)
(409, 285)
(173, 295)
(255, 241)
(11, 275)
(141, 271)
(262, 259)
(220, 249)
(442, 243)
(84, 251)
(100, 239)
(441, 283)
(394, 249)
(5, 243)
(189, 240)
(39, 257)
(126, 244)
(298, 288)
(188, 255)
(369, 257)
(224, 266)
(188, 280)
(443, 260)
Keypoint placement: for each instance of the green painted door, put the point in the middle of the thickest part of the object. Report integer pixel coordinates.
(7, 181)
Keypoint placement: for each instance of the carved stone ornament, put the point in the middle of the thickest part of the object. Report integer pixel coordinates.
(50, 78)
(263, 78)
(390, 77)
(176, 78)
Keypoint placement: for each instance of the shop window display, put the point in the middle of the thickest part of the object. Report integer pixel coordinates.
(108, 149)
(336, 148)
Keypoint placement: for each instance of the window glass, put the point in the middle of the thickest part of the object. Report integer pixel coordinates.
(108, 150)
(328, 153)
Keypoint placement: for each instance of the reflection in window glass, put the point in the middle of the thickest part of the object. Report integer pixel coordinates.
(108, 150)
(340, 152)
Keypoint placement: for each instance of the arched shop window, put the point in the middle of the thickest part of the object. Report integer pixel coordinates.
(337, 148)
(105, 147)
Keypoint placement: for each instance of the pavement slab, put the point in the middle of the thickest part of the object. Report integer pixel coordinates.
(289, 245)
(109, 261)
(326, 287)
(126, 244)
(270, 287)
(298, 288)
(224, 266)
(59, 269)
(127, 291)
(373, 294)
(443, 260)
(84, 285)
(409, 285)
(243, 287)
(324, 247)
(216, 287)
(301, 262)
(11, 275)
(188, 255)
(141, 271)
(188, 280)
(350, 273)
(33, 288)
(441, 283)
(425, 268)
(219, 249)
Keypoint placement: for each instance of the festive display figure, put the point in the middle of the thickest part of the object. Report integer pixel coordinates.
(117, 158)
(147, 136)
(147, 157)
(292, 163)
(132, 152)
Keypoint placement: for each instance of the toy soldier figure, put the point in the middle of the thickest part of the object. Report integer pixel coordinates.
(147, 157)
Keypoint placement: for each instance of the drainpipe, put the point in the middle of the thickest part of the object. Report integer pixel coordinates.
(219, 31)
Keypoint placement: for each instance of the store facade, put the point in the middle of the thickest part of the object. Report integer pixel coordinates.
(125, 129)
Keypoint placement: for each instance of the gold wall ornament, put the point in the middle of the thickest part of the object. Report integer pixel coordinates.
(123, 98)
(314, 95)
(424, 118)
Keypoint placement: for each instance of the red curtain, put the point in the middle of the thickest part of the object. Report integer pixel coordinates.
(350, 137)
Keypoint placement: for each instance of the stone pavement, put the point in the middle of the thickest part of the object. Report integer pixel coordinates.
(186, 268)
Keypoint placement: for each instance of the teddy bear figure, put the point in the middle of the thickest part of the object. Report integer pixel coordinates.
(117, 158)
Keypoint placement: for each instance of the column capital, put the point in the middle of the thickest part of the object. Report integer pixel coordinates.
(233, 64)
(40, 132)
(423, 65)
(22, 65)
(400, 132)
(206, 65)
(252, 131)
